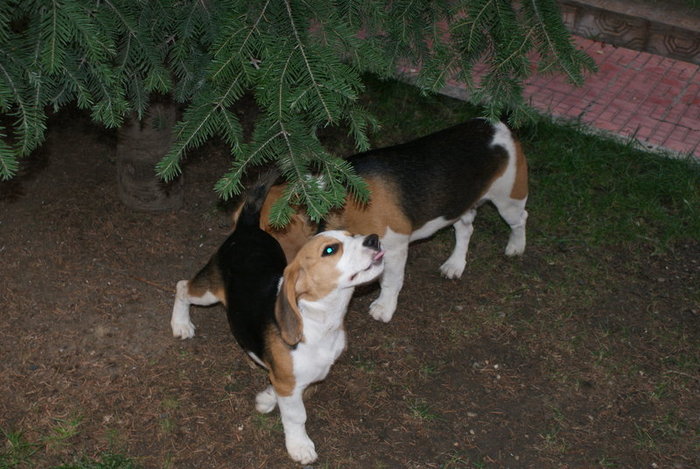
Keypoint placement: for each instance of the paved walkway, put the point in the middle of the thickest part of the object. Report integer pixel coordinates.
(634, 95)
(638, 95)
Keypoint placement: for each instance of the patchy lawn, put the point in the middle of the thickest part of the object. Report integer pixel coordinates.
(583, 353)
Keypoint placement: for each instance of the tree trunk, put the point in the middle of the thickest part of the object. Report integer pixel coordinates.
(140, 145)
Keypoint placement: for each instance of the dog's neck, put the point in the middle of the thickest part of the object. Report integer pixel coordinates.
(328, 312)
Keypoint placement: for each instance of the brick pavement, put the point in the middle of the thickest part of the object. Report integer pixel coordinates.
(634, 95)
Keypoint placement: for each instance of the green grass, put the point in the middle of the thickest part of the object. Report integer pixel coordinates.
(455, 459)
(585, 191)
(62, 431)
(16, 451)
(268, 422)
(363, 363)
(107, 461)
(607, 462)
(428, 370)
(645, 439)
(600, 191)
(421, 410)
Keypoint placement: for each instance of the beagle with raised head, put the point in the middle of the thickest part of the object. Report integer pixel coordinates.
(289, 320)
(420, 187)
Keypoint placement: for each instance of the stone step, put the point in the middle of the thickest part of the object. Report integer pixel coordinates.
(667, 28)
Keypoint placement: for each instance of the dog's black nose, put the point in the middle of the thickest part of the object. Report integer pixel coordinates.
(372, 242)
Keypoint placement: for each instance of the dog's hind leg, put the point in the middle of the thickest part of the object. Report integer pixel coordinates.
(454, 265)
(203, 290)
(514, 213)
(396, 248)
(180, 321)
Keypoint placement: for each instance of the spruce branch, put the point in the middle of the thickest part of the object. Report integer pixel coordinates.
(301, 60)
(198, 125)
(96, 43)
(282, 210)
(477, 23)
(300, 47)
(5, 15)
(112, 105)
(230, 183)
(573, 76)
(53, 37)
(74, 80)
(8, 160)
(359, 120)
(219, 50)
(156, 77)
(26, 115)
(547, 19)
(517, 54)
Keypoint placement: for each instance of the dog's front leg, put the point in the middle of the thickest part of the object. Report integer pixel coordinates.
(299, 445)
(266, 400)
(396, 248)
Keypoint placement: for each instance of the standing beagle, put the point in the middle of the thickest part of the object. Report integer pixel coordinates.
(289, 320)
(420, 187)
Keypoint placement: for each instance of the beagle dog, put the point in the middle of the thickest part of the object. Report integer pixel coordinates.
(420, 187)
(289, 320)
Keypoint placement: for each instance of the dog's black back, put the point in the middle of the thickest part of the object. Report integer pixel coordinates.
(460, 158)
(251, 263)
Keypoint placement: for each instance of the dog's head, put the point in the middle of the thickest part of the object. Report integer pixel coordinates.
(330, 261)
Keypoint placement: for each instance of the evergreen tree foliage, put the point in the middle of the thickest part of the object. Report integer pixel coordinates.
(301, 59)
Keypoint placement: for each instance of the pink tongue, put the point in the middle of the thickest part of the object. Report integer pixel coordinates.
(378, 256)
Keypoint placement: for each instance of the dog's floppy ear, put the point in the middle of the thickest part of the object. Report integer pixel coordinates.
(287, 311)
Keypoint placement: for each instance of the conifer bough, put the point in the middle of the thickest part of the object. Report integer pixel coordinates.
(301, 59)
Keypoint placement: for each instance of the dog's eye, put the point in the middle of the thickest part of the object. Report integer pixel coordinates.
(330, 250)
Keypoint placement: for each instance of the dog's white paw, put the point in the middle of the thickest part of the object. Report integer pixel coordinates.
(453, 270)
(380, 311)
(302, 450)
(184, 330)
(266, 401)
(515, 249)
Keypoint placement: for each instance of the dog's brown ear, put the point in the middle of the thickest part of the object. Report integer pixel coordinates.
(287, 311)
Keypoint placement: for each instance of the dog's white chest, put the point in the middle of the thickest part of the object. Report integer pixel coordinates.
(313, 359)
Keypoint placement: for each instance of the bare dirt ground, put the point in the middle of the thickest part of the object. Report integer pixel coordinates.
(572, 356)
